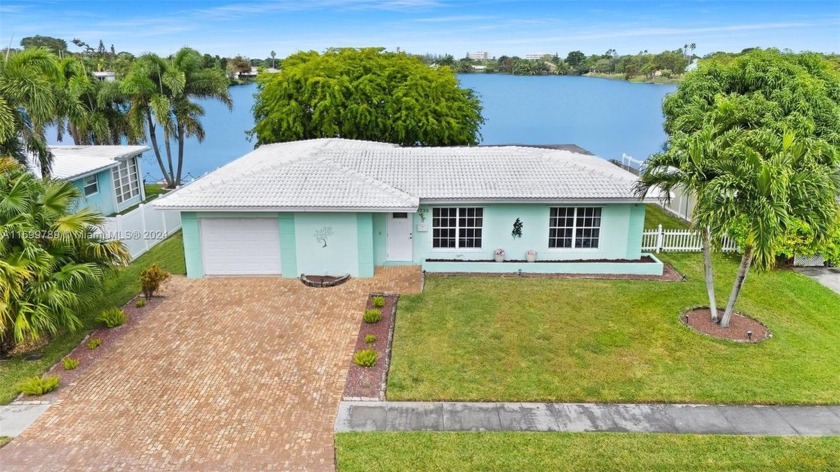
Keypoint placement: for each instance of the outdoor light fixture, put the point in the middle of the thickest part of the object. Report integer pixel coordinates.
(749, 335)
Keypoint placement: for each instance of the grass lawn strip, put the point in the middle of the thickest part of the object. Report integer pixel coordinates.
(473, 451)
(512, 339)
(655, 215)
(119, 288)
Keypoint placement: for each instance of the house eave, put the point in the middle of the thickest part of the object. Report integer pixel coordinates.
(298, 209)
(534, 201)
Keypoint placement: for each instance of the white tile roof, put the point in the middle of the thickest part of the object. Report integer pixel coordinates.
(339, 174)
(72, 162)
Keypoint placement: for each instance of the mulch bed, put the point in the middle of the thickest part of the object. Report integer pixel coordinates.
(669, 274)
(87, 358)
(700, 320)
(368, 383)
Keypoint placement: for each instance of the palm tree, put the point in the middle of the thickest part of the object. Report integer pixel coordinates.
(760, 186)
(52, 262)
(273, 54)
(686, 166)
(27, 104)
(161, 92)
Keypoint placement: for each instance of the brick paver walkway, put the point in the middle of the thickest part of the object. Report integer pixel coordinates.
(226, 374)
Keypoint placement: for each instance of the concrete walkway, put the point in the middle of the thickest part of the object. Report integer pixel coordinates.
(580, 417)
(16, 417)
(828, 276)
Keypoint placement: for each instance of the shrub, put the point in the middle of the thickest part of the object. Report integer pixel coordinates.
(112, 317)
(151, 278)
(38, 385)
(373, 316)
(378, 302)
(94, 343)
(140, 303)
(69, 363)
(370, 339)
(365, 357)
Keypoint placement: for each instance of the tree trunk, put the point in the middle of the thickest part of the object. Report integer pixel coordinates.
(156, 148)
(168, 146)
(180, 154)
(710, 281)
(746, 260)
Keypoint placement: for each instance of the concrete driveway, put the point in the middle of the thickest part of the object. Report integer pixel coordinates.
(828, 276)
(226, 374)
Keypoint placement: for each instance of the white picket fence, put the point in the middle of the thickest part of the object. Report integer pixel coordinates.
(678, 240)
(142, 228)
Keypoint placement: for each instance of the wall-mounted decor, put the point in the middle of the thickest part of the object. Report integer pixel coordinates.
(517, 229)
(322, 234)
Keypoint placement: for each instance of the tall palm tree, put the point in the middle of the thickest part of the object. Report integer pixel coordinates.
(52, 261)
(27, 104)
(686, 166)
(162, 93)
(763, 183)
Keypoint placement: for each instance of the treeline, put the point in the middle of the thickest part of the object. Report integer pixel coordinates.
(666, 64)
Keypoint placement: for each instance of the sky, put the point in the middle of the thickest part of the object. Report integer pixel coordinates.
(500, 27)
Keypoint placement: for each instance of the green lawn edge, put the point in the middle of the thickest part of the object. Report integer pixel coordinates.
(520, 451)
(119, 288)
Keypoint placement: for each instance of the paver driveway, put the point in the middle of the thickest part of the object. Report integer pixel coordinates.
(226, 374)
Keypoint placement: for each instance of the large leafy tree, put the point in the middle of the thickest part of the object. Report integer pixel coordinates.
(366, 94)
(28, 104)
(750, 135)
(162, 92)
(52, 262)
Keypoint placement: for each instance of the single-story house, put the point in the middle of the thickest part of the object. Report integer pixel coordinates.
(108, 177)
(337, 206)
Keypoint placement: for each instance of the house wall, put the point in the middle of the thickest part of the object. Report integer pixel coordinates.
(103, 201)
(356, 242)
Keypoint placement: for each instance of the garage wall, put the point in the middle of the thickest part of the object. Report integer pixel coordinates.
(340, 234)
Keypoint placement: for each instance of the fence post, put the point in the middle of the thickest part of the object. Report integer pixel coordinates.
(659, 238)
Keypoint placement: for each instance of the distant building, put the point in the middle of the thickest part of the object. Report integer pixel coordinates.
(692, 66)
(479, 56)
(479, 68)
(536, 57)
(105, 76)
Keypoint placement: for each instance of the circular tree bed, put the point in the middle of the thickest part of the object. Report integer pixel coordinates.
(741, 328)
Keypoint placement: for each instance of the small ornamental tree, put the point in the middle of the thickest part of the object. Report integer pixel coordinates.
(151, 278)
(365, 94)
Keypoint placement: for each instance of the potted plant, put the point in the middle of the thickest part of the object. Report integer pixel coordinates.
(499, 255)
(531, 255)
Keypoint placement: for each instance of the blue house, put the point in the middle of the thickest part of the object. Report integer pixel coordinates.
(335, 206)
(108, 177)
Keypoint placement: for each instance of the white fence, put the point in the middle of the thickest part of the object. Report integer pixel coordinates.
(142, 228)
(678, 240)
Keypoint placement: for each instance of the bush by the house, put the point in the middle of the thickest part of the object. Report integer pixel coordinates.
(69, 363)
(366, 357)
(370, 338)
(373, 315)
(38, 385)
(94, 343)
(140, 303)
(112, 317)
(378, 302)
(151, 278)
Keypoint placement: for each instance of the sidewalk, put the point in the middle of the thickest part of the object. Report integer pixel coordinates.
(580, 417)
(16, 417)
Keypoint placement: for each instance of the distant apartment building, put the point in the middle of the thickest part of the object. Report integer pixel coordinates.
(536, 57)
(478, 56)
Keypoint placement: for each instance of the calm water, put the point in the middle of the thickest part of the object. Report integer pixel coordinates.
(607, 117)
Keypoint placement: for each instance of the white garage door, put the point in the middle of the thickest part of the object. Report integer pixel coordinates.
(240, 246)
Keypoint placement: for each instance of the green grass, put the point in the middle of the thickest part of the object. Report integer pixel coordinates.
(655, 216)
(523, 339)
(4, 440)
(119, 289)
(374, 452)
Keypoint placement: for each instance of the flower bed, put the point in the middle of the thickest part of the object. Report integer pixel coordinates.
(368, 383)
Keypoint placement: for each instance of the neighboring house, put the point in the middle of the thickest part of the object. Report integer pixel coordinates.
(105, 76)
(335, 206)
(108, 177)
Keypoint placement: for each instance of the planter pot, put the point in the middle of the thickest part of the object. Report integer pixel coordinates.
(531, 257)
(499, 258)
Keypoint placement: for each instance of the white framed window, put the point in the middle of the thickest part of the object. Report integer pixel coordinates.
(90, 185)
(126, 180)
(457, 227)
(571, 227)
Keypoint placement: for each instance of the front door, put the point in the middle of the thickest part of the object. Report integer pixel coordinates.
(399, 245)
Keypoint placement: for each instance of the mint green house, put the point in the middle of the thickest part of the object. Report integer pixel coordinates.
(108, 177)
(335, 206)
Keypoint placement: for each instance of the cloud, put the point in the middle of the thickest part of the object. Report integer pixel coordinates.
(243, 9)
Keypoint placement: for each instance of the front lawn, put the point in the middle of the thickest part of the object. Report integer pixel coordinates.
(119, 289)
(373, 452)
(569, 340)
(655, 215)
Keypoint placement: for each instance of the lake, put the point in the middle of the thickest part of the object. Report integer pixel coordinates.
(606, 117)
